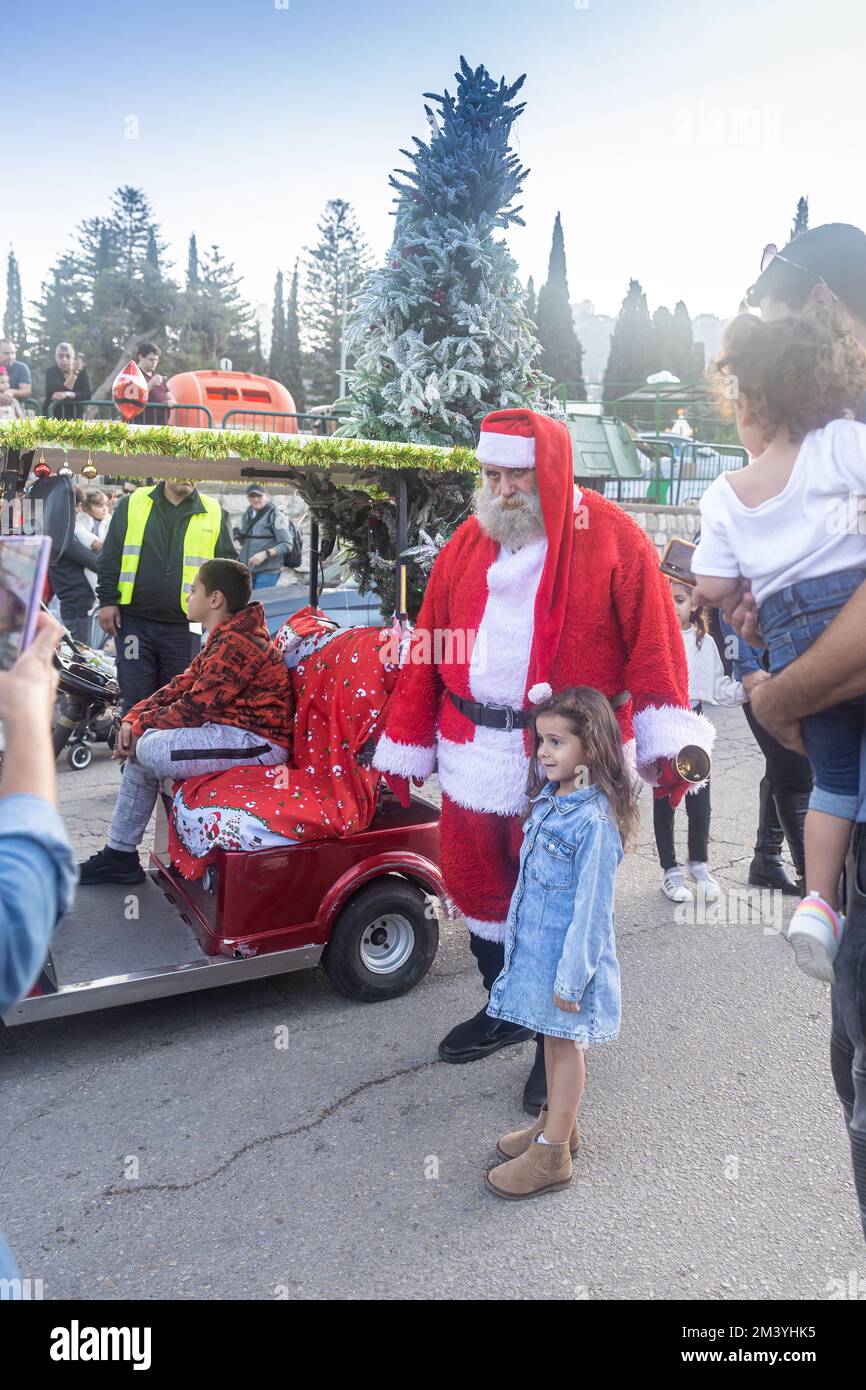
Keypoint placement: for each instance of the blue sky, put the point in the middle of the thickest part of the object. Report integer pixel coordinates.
(675, 137)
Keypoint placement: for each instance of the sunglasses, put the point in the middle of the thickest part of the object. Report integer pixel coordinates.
(772, 253)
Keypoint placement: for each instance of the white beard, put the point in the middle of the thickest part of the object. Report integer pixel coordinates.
(515, 525)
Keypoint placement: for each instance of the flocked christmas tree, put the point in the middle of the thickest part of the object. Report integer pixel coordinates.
(440, 335)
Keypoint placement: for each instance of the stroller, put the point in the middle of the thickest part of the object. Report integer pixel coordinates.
(88, 698)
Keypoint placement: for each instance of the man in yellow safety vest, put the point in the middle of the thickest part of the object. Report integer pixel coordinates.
(158, 539)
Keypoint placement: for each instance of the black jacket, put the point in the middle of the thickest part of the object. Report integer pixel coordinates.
(69, 581)
(158, 579)
(65, 410)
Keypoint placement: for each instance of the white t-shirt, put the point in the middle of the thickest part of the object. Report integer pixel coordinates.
(815, 526)
(707, 680)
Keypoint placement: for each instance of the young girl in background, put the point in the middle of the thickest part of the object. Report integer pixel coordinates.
(792, 523)
(561, 975)
(707, 682)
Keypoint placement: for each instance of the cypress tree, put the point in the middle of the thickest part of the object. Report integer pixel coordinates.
(13, 314)
(294, 367)
(562, 354)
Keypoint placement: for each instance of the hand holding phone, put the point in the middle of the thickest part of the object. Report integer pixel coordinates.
(23, 564)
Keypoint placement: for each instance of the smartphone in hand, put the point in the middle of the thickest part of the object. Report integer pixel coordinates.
(23, 564)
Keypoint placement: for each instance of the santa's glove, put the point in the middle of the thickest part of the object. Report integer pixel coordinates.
(670, 784)
(400, 785)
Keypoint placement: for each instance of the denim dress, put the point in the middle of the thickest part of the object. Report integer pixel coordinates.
(559, 935)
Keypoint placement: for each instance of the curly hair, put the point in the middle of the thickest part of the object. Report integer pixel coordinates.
(802, 370)
(591, 716)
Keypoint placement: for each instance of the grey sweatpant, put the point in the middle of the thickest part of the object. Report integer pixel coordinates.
(174, 753)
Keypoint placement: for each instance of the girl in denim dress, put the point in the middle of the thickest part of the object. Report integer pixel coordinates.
(793, 522)
(561, 975)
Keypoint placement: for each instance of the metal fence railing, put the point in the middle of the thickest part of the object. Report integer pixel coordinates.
(275, 421)
(677, 473)
(150, 415)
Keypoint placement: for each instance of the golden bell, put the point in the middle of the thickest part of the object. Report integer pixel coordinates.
(88, 471)
(692, 763)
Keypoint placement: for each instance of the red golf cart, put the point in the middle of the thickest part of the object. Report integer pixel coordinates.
(364, 907)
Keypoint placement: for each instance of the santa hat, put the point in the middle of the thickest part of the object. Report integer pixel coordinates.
(523, 439)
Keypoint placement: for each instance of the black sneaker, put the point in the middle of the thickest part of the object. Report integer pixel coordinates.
(479, 1036)
(111, 866)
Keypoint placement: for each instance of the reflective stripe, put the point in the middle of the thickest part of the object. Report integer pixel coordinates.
(127, 576)
(131, 549)
(196, 559)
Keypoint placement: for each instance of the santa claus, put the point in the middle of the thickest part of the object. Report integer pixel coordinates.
(544, 587)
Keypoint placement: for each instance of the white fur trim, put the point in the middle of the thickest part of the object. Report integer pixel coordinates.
(499, 666)
(506, 450)
(483, 776)
(661, 731)
(537, 694)
(404, 759)
(489, 931)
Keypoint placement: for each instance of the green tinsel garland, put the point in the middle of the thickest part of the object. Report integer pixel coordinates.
(116, 437)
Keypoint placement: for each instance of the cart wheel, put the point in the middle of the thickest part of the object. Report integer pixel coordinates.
(383, 942)
(80, 755)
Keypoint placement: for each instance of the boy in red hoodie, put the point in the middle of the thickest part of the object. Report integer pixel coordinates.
(232, 705)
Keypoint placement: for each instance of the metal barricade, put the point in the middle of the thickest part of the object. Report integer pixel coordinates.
(153, 415)
(697, 464)
(272, 421)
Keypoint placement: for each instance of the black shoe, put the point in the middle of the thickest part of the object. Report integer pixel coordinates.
(480, 1036)
(768, 871)
(535, 1090)
(111, 866)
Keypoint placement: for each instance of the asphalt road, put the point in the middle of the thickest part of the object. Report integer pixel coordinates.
(173, 1150)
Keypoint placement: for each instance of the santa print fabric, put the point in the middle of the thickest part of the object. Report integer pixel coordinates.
(341, 687)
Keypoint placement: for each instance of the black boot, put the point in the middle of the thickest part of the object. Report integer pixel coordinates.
(792, 808)
(479, 1037)
(535, 1090)
(766, 869)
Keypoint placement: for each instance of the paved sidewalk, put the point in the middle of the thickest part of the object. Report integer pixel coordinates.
(275, 1140)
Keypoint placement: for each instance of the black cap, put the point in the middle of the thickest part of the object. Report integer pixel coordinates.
(255, 491)
(834, 253)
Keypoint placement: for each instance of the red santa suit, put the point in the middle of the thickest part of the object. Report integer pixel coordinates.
(586, 604)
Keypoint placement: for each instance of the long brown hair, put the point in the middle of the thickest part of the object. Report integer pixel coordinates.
(699, 618)
(590, 715)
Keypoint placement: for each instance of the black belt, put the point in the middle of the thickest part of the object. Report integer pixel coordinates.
(491, 716)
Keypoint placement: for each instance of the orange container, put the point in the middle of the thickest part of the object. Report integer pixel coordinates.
(255, 397)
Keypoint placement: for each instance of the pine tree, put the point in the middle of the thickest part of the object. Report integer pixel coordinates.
(192, 263)
(440, 333)
(663, 351)
(277, 363)
(13, 314)
(294, 379)
(335, 269)
(531, 301)
(801, 218)
(258, 363)
(562, 355)
(630, 360)
(151, 255)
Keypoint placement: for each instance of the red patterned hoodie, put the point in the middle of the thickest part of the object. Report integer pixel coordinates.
(237, 678)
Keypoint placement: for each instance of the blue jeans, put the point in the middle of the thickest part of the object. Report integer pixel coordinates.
(158, 652)
(791, 620)
(265, 581)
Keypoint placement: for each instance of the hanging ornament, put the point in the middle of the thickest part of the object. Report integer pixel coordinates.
(89, 469)
(42, 470)
(64, 471)
(130, 391)
(439, 296)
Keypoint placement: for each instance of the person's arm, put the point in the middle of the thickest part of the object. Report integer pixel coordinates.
(279, 546)
(711, 590)
(225, 546)
(82, 555)
(37, 867)
(596, 861)
(82, 386)
(724, 690)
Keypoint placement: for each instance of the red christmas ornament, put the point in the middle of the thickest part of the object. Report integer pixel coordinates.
(395, 265)
(42, 470)
(439, 296)
(130, 391)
